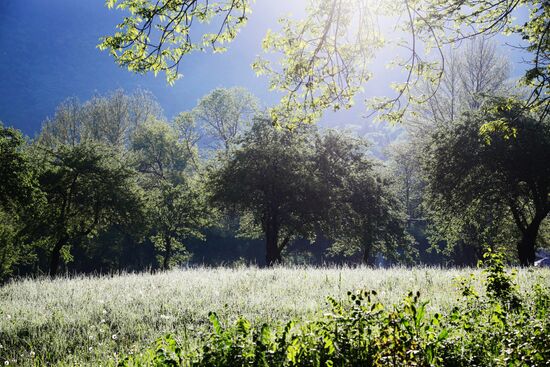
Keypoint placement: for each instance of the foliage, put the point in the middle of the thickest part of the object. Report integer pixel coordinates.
(486, 330)
(323, 58)
(223, 114)
(156, 36)
(87, 187)
(536, 32)
(324, 64)
(110, 119)
(176, 205)
(269, 175)
(479, 178)
(323, 61)
(18, 196)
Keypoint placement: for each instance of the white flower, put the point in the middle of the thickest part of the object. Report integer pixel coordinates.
(6, 363)
(31, 353)
(90, 349)
(114, 337)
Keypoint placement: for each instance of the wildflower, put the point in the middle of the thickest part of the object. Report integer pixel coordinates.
(32, 354)
(6, 363)
(114, 337)
(90, 349)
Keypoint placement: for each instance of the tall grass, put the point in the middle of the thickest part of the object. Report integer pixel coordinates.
(83, 320)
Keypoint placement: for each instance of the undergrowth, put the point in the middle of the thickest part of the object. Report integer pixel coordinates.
(501, 327)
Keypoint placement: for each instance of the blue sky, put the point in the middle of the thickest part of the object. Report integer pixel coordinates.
(48, 53)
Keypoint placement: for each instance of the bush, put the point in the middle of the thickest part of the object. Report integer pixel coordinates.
(499, 328)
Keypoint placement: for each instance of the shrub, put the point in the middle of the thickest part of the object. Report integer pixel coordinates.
(499, 328)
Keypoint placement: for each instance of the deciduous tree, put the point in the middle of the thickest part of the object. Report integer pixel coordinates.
(87, 188)
(225, 113)
(176, 204)
(269, 176)
(502, 170)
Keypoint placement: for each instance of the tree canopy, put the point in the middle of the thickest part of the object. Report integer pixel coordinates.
(324, 57)
(493, 172)
(301, 184)
(225, 113)
(176, 205)
(87, 188)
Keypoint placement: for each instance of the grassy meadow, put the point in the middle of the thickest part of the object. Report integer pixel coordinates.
(82, 320)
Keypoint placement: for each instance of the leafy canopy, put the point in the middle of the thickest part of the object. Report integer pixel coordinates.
(324, 57)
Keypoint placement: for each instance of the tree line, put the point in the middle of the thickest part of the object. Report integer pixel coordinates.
(111, 184)
(111, 178)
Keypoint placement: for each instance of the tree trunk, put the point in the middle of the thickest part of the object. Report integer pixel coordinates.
(367, 249)
(526, 246)
(167, 253)
(367, 256)
(55, 258)
(273, 253)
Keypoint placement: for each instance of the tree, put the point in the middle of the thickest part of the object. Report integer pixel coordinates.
(176, 205)
(87, 188)
(324, 56)
(109, 119)
(502, 170)
(17, 178)
(66, 125)
(18, 192)
(363, 214)
(178, 213)
(268, 176)
(114, 117)
(299, 184)
(224, 113)
(159, 154)
(405, 165)
(472, 73)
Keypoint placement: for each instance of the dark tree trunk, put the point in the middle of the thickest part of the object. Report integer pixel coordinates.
(273, 252)
(526, 246)
(55, 258)
(167, 253)
(367, 255)
(368, 259)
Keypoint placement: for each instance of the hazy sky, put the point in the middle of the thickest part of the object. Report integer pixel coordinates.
(48, 53)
